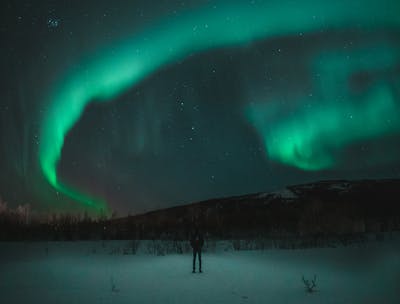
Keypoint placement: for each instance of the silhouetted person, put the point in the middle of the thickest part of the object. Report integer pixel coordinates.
(197, 242)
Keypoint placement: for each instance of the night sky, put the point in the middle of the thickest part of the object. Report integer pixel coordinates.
(138, 105)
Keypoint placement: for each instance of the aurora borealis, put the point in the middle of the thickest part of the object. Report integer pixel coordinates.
(309, 139)
(295, 90)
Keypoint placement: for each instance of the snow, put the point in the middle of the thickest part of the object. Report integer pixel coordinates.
(86, 272)
(341, 186)
(264, 195)
(285, 194)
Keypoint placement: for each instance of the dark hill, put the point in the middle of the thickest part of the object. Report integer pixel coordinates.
(323, 208)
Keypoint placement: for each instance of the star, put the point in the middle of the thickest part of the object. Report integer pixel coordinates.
(53, 22)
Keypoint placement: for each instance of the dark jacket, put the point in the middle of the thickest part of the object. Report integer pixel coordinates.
(196, 241)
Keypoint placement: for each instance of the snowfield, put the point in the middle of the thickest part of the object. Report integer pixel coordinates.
(99, 272)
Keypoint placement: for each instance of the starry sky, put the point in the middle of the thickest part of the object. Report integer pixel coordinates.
(138, 105)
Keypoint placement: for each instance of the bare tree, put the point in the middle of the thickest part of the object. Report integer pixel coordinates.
(310, 285)
(113, 286)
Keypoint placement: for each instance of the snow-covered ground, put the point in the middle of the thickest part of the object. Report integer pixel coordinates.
(86, 272)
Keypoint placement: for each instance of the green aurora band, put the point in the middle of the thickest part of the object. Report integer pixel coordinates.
(309, 139)
(112, 71)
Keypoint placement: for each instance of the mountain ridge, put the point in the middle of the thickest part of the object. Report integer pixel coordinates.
(322, 207)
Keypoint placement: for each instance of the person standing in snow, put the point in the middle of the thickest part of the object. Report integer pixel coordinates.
(197, 242)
